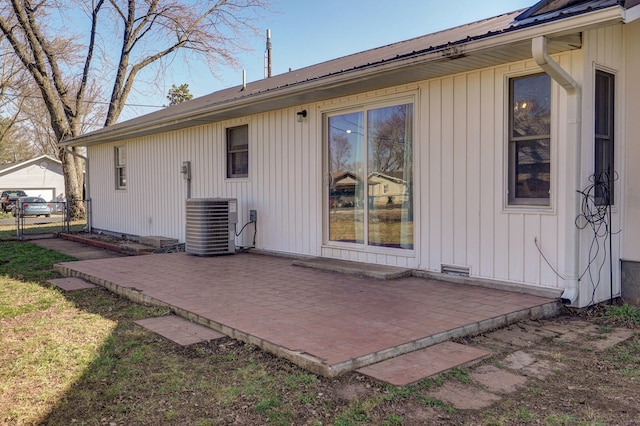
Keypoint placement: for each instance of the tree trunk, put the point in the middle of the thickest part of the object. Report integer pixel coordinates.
(72, 186)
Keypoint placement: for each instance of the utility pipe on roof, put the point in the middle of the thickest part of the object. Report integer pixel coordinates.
(574, 140)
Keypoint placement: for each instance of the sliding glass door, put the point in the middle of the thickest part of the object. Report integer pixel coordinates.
(370, 161)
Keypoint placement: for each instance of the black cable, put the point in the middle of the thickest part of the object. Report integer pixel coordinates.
(242, 229)
(255, 231)
(596, 215)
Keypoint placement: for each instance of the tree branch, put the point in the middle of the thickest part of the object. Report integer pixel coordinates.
(87, 63)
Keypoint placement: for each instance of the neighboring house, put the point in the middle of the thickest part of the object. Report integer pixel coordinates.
(388, 189)
(494, 126)
(38, 177)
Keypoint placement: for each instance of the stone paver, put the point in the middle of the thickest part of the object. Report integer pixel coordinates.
(179, 330)
(327, 322)
(516, 337)
(415, 366)
(464, 397)
(605, 340)
(71, 284)
(497, 380)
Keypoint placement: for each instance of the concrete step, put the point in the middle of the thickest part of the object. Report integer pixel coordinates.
(381, 272)
(135, 249)
(156, 241)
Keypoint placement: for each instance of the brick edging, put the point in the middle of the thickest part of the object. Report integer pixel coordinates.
(91, 242)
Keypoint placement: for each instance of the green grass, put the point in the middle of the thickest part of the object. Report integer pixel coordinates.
(625, 313)
(47, 344)
(28, 262)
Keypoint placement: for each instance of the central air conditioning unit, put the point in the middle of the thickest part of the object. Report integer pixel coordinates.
(211, 226)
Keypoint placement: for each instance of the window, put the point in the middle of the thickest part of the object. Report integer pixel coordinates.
(603, 170)
(370, 165)
(121, 167)
(238, 152)
(529, 140)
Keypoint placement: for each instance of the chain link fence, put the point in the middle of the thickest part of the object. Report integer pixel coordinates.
(44, 218)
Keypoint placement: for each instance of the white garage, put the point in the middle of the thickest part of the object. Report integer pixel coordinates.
(39, 177)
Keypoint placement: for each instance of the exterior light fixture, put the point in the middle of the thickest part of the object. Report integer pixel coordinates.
(301, 115)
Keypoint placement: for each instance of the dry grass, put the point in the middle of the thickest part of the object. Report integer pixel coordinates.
(385, 228)
(78, 358)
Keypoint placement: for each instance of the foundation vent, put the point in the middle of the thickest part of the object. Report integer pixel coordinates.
(461, 271)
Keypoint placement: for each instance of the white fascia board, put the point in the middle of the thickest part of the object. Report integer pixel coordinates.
(550, 29)
(631, 14)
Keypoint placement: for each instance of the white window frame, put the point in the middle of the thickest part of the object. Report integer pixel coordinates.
(230, 173)
(382, 102)
(120, 167)
(511, 200)
(609, 138)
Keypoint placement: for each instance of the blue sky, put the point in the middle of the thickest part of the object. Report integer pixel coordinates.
(306, 32)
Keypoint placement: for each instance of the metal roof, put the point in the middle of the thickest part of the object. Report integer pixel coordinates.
(547, 10)
(488, 42)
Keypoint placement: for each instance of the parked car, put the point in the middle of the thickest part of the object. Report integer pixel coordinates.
(33, 206)
(9, 197)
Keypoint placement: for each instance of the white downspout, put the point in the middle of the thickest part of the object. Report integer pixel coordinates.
(574, 136)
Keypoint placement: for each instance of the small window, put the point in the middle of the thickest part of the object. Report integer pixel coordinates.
(530, 140)
(604, 115)
(238, 152)
(121, 167)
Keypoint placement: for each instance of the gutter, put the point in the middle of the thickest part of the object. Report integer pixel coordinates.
(573, 136)
(86, 183)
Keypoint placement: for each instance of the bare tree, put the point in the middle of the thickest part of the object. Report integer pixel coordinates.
(340, 153)
(387, 139)
(13, 147)
(66, 58)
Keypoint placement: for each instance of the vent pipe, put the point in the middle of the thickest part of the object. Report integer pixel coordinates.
(244, 80)
(268, 55)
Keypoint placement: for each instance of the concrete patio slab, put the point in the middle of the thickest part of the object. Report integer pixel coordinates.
(327, 322)
(415, 366)
(179, 330)
(71, 284)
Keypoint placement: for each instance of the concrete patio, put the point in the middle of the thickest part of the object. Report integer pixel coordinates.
(327, 322)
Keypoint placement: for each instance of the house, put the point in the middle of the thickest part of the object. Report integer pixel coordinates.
(515, 138)
(387, 189)
(38, 177)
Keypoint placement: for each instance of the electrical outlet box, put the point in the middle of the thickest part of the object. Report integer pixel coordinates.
(186, 170)
(253, 215)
